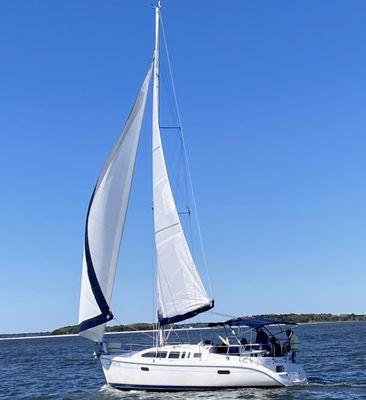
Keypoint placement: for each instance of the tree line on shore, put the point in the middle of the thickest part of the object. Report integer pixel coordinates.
(295, 318)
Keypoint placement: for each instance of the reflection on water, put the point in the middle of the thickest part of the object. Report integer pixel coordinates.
(333, 355)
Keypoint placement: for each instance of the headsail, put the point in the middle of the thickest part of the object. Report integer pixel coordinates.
(104, 225)
(181, 294)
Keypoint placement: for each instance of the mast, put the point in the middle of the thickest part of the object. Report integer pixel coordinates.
(156, 84)
(156, 112)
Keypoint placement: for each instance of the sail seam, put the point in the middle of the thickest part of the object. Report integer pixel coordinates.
(167, 227)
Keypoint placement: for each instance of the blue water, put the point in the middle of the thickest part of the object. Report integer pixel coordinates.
(333, 355)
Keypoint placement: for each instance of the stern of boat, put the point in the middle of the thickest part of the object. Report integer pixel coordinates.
(292, 374)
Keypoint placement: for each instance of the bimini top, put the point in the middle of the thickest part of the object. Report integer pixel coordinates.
(254, 322)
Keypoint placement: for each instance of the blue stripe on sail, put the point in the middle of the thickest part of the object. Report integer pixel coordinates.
(190, 314)
(95, 321)
(106, 314)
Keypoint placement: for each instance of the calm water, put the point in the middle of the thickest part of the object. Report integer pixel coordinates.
(334, 357)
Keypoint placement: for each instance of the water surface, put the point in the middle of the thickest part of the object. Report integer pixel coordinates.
(333, 355)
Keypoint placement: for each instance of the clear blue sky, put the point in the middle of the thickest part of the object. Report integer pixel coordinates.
(272, 99)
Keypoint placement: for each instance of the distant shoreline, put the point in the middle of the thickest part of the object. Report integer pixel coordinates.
(329, 322)
(49, 335)
(75, 334)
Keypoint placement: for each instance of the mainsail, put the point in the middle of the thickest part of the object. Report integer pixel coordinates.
(181, 294)
(104, 225)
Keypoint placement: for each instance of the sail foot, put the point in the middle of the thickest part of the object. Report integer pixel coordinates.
(177, 318)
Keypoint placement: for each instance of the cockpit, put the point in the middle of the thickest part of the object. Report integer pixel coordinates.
(252, 337)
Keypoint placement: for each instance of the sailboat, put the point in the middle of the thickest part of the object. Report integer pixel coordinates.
(234, 362)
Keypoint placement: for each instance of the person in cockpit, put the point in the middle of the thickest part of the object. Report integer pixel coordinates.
(262, 338)
(276, 347)
(244, 343)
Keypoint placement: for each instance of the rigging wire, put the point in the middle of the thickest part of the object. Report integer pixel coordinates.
(154, 279)
(134, 329)
(172, 158)
(177, 161)
(186, 159)
(222, 315)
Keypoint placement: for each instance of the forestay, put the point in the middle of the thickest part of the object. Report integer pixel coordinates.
(104, 225)
(181, 294)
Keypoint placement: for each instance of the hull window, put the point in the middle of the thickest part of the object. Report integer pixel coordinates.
(149, 355)
(153, 354)
(223, 372)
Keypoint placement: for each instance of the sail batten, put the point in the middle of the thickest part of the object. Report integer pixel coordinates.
(105, 222)
(180, 292)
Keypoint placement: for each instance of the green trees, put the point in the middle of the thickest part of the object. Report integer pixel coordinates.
(296, 318)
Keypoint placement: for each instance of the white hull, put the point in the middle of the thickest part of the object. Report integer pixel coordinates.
(208, 372)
